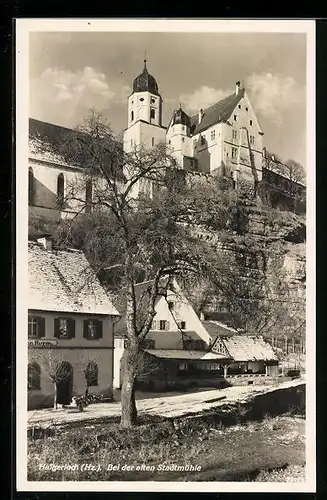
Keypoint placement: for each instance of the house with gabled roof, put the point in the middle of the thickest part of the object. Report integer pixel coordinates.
(176, 339)
(70, 327)
(181, 349)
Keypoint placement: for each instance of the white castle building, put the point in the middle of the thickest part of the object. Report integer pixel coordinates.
(224, 138)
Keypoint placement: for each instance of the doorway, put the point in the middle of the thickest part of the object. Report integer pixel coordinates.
(64, 377)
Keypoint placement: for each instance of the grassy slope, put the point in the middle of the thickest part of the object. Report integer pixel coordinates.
(237, 453)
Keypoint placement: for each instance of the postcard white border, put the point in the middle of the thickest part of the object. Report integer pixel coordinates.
(23, 28)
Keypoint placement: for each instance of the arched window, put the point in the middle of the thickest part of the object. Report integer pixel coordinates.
(132, 115)
(88, 195)
(34, 377)
(60, 190)
(91, 374)
(31, 186)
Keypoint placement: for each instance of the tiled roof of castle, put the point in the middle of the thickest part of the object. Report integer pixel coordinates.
(219, 112)
(247, 348)
(63, 281)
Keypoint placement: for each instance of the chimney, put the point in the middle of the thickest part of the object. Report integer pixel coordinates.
(200, 115)
(46, 242)
(238, 86)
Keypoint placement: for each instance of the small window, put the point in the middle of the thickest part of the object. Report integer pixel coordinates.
(203, 140)
(171, 305)
(64, 328)
(33, 377)
(235, 118)
(152, 113)
(239, 106)
(31, 186)
(251, 122)
(141, 99)
(91, 374)
(182, 325)
(36, 327)
(246, 109)
(252, 140)
(132, 115)
(153, 100)
(169, 142)
(213, 135)
(164, 324)
(234, 153)
(183, 139)
(183, 366)
(92, 329)
(234, 135)
(152, 141)
(60, 190)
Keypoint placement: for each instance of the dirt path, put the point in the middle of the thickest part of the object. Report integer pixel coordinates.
(172, 406)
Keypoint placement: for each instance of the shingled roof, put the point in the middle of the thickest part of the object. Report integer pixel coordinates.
(63, 281)
(247, 348)
(217, 113)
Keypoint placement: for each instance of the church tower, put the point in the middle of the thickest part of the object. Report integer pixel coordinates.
(144, 123)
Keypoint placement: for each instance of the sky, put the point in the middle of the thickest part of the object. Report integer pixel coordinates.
(71, 72)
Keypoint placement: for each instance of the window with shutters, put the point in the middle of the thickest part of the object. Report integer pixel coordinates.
(92, 329)
(164, 324)
(154, 325)
(91, 374)
(33, 377)
(36, 327)
(64, 328)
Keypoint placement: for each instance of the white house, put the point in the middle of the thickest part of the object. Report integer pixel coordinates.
(70, 327)
(177, 336)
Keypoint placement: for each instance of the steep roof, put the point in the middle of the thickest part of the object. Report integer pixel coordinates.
(63, 281)
(217, 113)
(247, 348)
